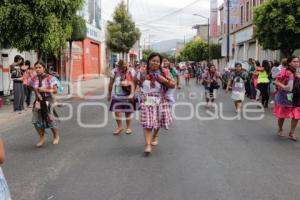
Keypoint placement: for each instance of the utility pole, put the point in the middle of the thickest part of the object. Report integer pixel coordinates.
(208, 40)
(228, 30)
(128, 6)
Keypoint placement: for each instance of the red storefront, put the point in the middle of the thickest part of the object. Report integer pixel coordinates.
(86, 57)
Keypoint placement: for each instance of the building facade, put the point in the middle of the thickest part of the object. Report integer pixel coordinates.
(242, 43)
(87, 55)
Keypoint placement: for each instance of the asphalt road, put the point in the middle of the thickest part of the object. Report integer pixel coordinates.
(195, 160)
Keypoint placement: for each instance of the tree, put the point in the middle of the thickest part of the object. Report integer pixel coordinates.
(146, 53)
(78, 34)
(278, 25)
(40, 25)
(122, 32)
(196, 50)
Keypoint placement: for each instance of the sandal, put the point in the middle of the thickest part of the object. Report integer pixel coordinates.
(154, 140)
(293, 137)
(280, 134)
(118, 131)
(56, 140)
(41, 142)
(147, 149)
(128, 131)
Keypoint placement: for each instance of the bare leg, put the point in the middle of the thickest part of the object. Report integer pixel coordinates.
(148, 138)
(280, 127)
(235, 105)
(118, 117)
(294, 124)
(239, 106)
(41, 133)
(155, 137)
(128, 123)
(55, 133)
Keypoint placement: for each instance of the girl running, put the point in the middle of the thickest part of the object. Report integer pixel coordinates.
(237, 80)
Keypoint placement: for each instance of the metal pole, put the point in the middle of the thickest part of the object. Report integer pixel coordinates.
(228, 31)
(208, 42)
(128, 6)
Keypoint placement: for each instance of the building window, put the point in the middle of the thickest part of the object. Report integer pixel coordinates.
(254, 3)
(247, 11)
(261, 1)
(242, 15)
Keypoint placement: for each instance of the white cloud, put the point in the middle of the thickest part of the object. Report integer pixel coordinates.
(148, 15)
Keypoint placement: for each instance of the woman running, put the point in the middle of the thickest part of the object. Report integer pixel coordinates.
(44, 114)
(237, 80)
(155, 112)
(287, 105)
(210, 82)
(121, 94)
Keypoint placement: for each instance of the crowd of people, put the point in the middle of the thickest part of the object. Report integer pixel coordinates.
(279, 82)
(151, 90)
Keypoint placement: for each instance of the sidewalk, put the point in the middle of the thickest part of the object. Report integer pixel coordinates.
(86, 88)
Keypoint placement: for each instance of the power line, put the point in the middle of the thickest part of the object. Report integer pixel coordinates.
(170, 14)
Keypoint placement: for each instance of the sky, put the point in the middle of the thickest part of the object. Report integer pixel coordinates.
(163, 19)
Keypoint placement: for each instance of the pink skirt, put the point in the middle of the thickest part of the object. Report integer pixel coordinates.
(156, 116)
(283, 112)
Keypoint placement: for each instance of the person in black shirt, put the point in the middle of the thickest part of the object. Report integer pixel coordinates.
(16, 75)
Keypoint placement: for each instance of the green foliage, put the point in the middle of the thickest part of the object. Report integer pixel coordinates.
(215, 51)
(146, 53)
(79, 29)
(278, 25)
(122, 32)
(196, 50)
(39, 25)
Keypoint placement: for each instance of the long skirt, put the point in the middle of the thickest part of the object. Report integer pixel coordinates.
(156, 116)
(19, 96)
(285, 112)
(48, 121)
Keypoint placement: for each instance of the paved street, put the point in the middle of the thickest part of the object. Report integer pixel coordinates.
(209, 160)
